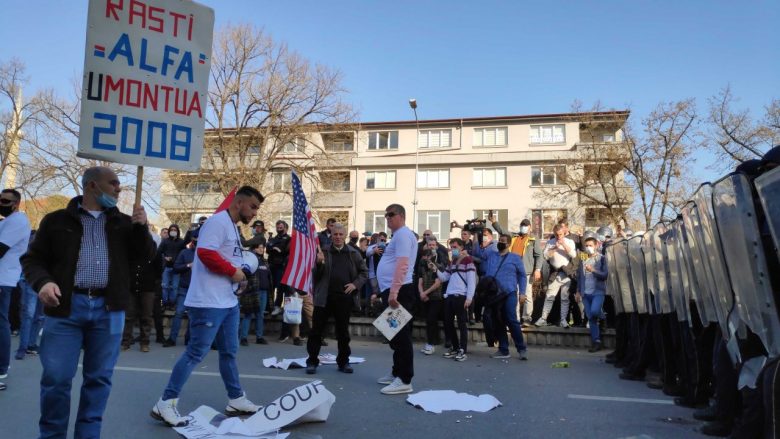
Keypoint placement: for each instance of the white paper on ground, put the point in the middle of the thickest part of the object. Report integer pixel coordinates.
(297, 363)
(308, 403)
(437, 401)
(390, 322)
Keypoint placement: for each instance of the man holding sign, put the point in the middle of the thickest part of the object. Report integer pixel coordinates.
(394, 275)
(79, 263)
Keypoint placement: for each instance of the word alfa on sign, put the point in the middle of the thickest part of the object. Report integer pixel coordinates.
(145, 73)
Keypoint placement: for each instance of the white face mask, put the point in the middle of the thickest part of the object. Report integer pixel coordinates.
(590, 250)
(173, 234)
(523, 230)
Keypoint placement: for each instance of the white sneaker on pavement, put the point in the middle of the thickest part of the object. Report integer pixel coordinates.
(397, 387)
(241, 406)
(428, 349)
(276, 311)
(166, 411)
(523, 355)
(387, 379)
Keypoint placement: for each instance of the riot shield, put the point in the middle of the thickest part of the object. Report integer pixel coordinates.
(768, 187)
(735, 217)
(662, 269)
(624, 279)
(700, 284)
(613, 285)
(636, 262)
(676, 273)
(650, 279)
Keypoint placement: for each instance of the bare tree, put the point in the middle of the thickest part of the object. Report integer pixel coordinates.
(267, 107)
(734, 136)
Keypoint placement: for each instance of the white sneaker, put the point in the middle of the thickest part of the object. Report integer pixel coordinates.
(460, 356)
(397, 387)
(564, 324)
(541, 323)
(241, 406)
(276, 311)
(387, 379)
(166, 411)
(428, 349)
(523, 355)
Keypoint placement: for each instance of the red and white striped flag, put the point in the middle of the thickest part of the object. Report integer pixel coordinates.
(303, 243)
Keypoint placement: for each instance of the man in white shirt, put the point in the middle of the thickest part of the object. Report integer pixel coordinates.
(212, 306)
(559, 252)
(14, 236)
(394, 275)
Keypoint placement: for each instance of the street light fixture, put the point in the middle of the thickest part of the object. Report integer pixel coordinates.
(413, 105)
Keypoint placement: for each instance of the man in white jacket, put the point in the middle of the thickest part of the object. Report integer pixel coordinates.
(559, 252)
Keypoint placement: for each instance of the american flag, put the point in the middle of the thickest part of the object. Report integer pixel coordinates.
(303, 243)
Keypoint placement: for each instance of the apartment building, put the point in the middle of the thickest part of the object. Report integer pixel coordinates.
(462, 168)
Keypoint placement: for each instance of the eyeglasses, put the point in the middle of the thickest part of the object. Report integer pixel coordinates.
(6, 201)
(390, 214)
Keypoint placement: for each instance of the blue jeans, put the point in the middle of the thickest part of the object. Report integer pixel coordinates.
(99, 332)
(510, 314)
(593, 303)
(176, 321)
(257, 317)
(170, 285)
(32, 317)
(206, 325)
(5, 328)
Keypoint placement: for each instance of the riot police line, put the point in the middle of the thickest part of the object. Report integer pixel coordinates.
(696, 303)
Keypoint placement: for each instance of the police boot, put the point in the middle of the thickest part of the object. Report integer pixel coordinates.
(717, 428)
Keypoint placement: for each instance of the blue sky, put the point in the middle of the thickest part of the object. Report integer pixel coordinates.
(476, 58)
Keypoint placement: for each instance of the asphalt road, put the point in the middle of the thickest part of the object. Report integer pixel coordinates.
(585, 400)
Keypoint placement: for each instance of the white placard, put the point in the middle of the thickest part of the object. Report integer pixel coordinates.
(390, 322)
(145, 83)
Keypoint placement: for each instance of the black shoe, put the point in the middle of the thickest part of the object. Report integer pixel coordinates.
(717, 428)
(385, 341)
(685, 402)
(298, 342)
(654, 381)
(311, 369)
(243, 342)
(346, 368)
(706, 414)
(631, 376)
(672, 391)
(261, 340)
(610, 360)
(169, 343)
(595, 348)
(160, 340)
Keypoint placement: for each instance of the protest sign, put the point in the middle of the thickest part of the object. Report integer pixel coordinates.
(145, 84)
(390, 322)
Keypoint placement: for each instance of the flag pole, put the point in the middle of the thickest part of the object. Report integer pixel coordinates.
(139, 179)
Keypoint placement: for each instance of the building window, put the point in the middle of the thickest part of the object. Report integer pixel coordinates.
(202, 187)
(596, 217)
(253, 150)
(489, 177)
(433, 178)
(434, 139)
(500, 215)
(378, 140)
(339, 142)
(490, 136)
(376, 222)
(547, 175)
(341, 216)
(281, 181)
(608, 138)
(335, 181)
(541, 134)
(543, 221)
(438, 221)
(295, 146)
(380, 180)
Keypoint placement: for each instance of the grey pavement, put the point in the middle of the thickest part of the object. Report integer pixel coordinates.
(538, 401)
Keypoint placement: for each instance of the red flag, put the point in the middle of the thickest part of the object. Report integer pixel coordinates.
(303, 243)
(225, 204)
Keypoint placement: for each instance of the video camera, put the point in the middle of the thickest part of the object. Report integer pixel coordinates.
(475, 226)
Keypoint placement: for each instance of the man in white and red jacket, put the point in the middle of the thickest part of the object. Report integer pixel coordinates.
(212, 306)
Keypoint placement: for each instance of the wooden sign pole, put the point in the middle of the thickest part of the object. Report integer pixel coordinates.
(139, 185)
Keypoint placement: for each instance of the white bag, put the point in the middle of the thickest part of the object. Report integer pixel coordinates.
(293, 306)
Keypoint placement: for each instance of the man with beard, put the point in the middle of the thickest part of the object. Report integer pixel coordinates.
(212, 307)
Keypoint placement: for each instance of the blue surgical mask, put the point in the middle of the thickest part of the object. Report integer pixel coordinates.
(107, 201)
(455, 253)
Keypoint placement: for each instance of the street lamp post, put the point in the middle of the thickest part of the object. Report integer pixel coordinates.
(413, 105)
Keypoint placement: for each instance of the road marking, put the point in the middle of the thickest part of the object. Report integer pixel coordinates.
(620, 399)
(212, 374)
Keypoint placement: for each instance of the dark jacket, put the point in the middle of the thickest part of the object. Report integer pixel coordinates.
(147, 274)
(187, 256)
(324, 238)
(282, 242)
(358, 273)
(170, 248)
(254, 241)
(53, 255)
(261, 279)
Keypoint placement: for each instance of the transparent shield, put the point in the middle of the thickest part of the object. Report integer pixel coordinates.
(661, 269)
(613, 285)
(768, 187)
(636, 262)
(676, 287)
(697, 270)
(735, 216)
(650, 279)
(624, 278)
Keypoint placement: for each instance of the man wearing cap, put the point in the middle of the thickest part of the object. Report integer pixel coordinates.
(258, 236)
(529, 250)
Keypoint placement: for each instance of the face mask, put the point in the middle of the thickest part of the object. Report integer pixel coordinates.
(353, 241)
(501, 246)
(524, 230)
(589, 250)
(455, 253)
(173, 235)
(6, 210)
(107, 201)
